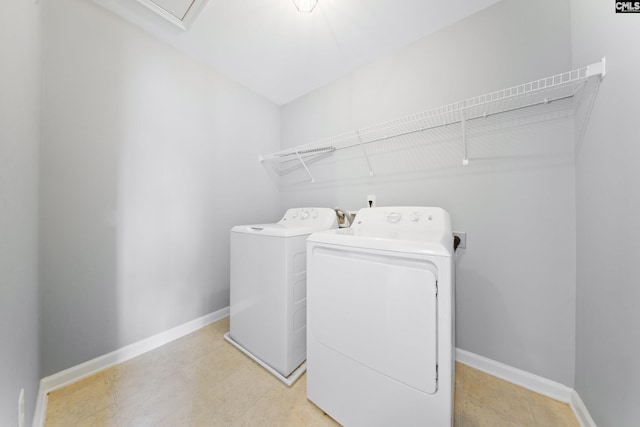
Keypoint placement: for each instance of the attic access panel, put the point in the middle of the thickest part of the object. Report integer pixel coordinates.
(179, 12)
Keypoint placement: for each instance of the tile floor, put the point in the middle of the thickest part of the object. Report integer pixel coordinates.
(202, 380)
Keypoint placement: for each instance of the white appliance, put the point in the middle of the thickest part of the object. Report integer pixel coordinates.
(268, 315)
(380, 345)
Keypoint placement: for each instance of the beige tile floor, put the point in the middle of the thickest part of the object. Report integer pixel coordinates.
(201, 380)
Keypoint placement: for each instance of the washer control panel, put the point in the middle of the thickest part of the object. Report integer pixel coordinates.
(305, 217)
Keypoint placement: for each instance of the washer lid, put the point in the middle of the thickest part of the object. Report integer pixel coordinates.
(295, 222)
(274, 230)
(421, 230)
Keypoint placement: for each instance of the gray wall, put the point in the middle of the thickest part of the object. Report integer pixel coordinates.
(516, 279)
(20, 44)
(608, 229)
(142, 144)
(148, 159)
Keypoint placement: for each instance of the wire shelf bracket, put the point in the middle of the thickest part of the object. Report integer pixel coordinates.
(463, 123)
(366, 156)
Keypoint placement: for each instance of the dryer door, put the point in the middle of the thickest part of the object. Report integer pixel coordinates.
(379, 309)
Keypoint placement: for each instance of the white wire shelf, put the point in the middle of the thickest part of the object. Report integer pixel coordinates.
(576, 89)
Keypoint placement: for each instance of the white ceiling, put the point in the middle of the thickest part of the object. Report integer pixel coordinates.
(271, 48)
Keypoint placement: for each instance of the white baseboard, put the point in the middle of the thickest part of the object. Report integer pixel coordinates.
(529, 381)
(580, 410)
(93, 366)
(517, 376)
(41, 408)
(76, 373)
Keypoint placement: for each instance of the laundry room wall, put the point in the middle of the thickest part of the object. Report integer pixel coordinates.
(149, 158)
(20, 93)
(608, 208)
(516, 278)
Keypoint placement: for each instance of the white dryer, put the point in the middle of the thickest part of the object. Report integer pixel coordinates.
(380, 305)
(268, 292)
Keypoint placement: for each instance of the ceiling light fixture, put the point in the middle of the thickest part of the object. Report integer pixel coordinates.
(305, 6)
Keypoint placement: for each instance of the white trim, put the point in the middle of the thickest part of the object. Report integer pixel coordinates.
(517, 376)
(163, 13)
(138, 15)
(581, 411)
(292, 378)
(522, 378)
(93, 366)
(529, 381)
(190, 16)
(41, 408)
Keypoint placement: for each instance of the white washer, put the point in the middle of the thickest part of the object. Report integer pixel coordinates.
(380, 345)
(268, 289)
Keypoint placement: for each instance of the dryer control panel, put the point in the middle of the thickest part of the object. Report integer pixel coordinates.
(403, 218)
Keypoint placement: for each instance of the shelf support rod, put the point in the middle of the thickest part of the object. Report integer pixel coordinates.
(305, 166)
(366, 156)
(463, 123)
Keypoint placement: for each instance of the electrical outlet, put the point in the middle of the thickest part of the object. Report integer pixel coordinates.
(21, 409)
(371, 201)
(463, 238)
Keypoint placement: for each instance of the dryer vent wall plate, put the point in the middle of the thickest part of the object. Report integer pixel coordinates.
(463, 239)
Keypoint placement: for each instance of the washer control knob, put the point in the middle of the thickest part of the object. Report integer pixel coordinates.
(305, 215)
(394, 217)
(315, 214)
(414, 216)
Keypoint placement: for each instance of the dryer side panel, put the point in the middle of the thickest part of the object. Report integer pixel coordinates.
(379, 310)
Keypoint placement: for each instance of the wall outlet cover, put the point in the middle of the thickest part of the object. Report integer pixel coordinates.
(371, 201)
